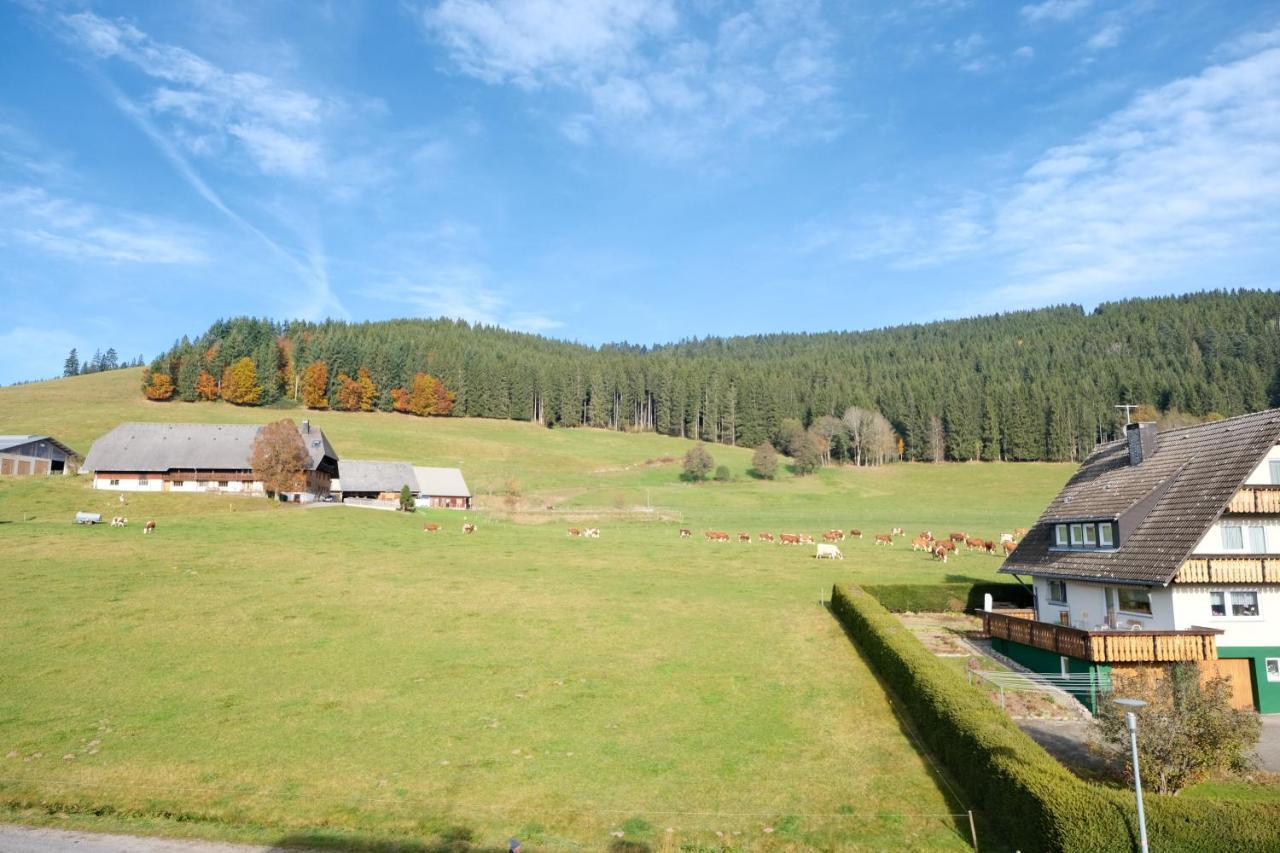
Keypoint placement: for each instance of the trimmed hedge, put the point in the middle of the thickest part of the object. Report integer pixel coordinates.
(1030, 799)
(940, 597)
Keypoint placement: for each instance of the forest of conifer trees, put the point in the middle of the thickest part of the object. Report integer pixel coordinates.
(1028, 385)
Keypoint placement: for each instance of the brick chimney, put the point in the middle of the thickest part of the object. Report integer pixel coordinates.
(1142, 441)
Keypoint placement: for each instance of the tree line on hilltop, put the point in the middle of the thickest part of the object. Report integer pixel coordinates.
(1021, 386)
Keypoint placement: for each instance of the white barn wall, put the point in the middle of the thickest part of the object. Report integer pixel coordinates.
(1191, 607)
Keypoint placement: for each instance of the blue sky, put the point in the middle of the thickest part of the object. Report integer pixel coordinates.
(640, 170)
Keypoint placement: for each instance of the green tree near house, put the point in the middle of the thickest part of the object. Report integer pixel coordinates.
(71, 366)
(1187, 731)
(407, 502)
(764, 462)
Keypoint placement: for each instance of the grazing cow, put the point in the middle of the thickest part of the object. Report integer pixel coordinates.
(829, 552)
(592, 533)
(119, 521)
(989, 546)
(788, 539)
(941, 552)
(974, 544)
(431, 527)
(949, 545)
(884, 538)
(921, 544)
(838, 534)
(806, 539)
(716, 536)
(856, 534)
(765, 537)
(1006, 537)
(897, 531)
(574, 532)
(685, 533)
(926, 534)
(149, 527)
(830, 536)
(744, 537)
(958, 537)
(468, 528)
(1020, 532)
(1008, 547)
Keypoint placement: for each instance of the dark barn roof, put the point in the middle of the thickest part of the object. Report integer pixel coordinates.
(9, 442)
(1164, 505)
(198, 447)
(366, 475)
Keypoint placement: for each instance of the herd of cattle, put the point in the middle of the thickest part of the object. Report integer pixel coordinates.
(939, 549)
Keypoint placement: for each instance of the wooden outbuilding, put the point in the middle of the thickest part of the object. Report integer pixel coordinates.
(36, 455)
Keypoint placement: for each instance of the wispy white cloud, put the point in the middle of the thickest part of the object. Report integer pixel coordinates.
(1054, 10)
(74, 229)
(213, 111)
(645, 75)
(442, 272)
(1183, 179)
(1105, 38)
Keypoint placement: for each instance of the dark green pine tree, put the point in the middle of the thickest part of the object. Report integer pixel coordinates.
(188, 374)
(992, 435)
(71, 366)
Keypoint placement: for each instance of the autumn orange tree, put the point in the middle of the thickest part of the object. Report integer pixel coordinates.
(428, 396)
(279, 457)
(156, 385)
(315, 385)
(346, 396)
(240, 383)
(206, 386)
(368, 390)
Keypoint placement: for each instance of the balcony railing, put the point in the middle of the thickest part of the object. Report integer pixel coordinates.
(1256, 499)
(1105, 646)
(1232, 568)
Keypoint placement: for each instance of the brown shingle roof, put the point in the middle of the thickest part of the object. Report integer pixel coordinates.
(1173, 498)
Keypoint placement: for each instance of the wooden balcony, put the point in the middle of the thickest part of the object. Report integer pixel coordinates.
(1256, 499)
(1234, 568)
(1105, 646)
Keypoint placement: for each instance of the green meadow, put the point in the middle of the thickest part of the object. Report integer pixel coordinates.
(338, 676)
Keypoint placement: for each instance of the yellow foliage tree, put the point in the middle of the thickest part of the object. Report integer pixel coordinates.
(159, 386)
(240, 383)
(315, 385)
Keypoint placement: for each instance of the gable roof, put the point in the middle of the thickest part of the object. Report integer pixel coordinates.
(165, 447)
(1167, 502)
(8, 441)
(365, 475)
(441, 482)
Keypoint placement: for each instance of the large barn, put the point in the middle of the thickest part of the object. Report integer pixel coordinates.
(431, 487)
(144, 457)
(35, 455)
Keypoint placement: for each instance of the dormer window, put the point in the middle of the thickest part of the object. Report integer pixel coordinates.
(1084, 535)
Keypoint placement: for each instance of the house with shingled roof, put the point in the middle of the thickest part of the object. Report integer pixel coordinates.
(197, 458)
(1162, 547)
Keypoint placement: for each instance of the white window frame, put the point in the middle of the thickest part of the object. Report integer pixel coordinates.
(1120, 590)
(1090, 535)
(1110, 537)
(113, 482)
(1222, 595)
(1222, 535)
(1257, 603)
(1077, 535)
(1261, 532)
(1060, 539)
(1049, 590)
(1274, 466)
(1272, 666)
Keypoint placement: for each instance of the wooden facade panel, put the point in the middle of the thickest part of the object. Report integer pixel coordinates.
(1104, 646)
(1238, 672)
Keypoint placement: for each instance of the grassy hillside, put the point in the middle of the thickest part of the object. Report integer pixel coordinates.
(274, 672)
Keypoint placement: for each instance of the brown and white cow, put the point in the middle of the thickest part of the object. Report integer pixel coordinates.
(788, 539)
(149, 527)
(958, 537)
(884, 538)
(716, 536)
(431, 527)
(830, 536)
(897, 531)
(806, 539)
(1009, 546)
(685, 533)
(574, 532)
(941, 552)
(592, 533)
(765, 537)
(975, 544)
(921, 544)
(856, 534)
(468, 528)
(744, 537)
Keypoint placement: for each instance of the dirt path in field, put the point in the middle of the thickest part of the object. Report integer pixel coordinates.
(27, 839)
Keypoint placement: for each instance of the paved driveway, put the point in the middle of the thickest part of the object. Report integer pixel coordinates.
(24, 839)
(1269, 744)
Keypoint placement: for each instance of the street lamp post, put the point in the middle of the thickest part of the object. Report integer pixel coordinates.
(1137, 775)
